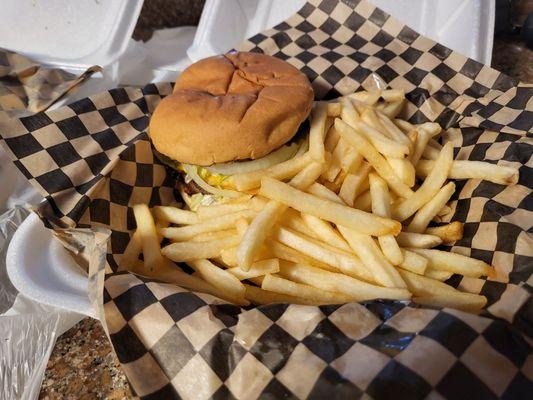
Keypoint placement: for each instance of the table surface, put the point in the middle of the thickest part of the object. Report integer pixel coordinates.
(83, 365)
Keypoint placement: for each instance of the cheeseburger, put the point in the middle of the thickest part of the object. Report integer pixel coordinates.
(229, 114)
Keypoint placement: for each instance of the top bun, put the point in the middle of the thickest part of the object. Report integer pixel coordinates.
(231, 107)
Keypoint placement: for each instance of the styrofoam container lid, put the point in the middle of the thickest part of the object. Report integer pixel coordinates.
(66, 33)
(463, 26)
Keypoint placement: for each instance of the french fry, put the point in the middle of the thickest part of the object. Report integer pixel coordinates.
(307, 176)
(331, 186)
(456, 263)
(334, 164)
(460, 169)
(352, 160)
(218, 277)
(214, 211)
(449, 233)
(188, 251)
(437, 219)
(404, 169)
(359, 106)
(353, 183)
(330, 211)
(209, 236)
(405, 126)
(393, 95)
(438, 294)
(279, 285)
(420, 144)
(173, 274)
(429, 188)
(148, 237)
(348, 112)
(262, 297)
(373, 157)
(256, 233)
(292, 219)
(284, 170)
(258, 268)
(215, 224)
(332, 138)
(372, 98)
(367, 97)
(158, 226)
(287, 253)
(318, 132)
(382, 143)
(325, 232)
(363, 202)
(390, 249)
(430, 153)
(329, 247)
(413, 262)
(418, 240)
(394, 132)
(420, 285)
(432, 128)
(241, 225)
(424, 216)
(459, 300)
(413, 136)
(391, 110)
(323, 192)
(333, 109)
(371, 256)
(132, 252)
(380, 198)
(334, 282)
(345, 262)
(175, 215)
(438, 274)
(339, 180)
(370, 117)
(229, 256)
(327, 127)
(444, 211)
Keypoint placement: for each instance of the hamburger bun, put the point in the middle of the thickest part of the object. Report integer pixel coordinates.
(231, 107)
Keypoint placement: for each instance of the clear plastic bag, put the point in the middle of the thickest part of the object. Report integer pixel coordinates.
(28, 330)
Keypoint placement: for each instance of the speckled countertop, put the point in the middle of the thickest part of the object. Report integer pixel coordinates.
(83, 365)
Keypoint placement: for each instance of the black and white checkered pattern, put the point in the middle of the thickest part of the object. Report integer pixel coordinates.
(205, 349)
(92, 160)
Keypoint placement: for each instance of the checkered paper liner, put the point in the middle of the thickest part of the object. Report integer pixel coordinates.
(92, 161)
(27, 87)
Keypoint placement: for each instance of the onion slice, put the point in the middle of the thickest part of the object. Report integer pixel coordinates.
(239, 167)
(192, 171)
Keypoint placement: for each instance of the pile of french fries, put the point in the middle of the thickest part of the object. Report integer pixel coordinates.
(347, 220)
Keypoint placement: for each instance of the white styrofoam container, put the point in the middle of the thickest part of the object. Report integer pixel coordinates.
(68, 34)
(71, 35)
(42, 269)
(463, 25)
